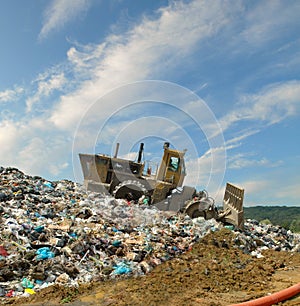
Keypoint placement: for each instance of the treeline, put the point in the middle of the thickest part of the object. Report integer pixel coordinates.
(285, 216)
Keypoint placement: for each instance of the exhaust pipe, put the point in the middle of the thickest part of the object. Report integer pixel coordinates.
(117, 150)
(166, 145)
(140, 152)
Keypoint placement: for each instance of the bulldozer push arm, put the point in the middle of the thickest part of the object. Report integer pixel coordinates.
(232, 212)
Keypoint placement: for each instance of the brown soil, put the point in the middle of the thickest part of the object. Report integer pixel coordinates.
(213, 272)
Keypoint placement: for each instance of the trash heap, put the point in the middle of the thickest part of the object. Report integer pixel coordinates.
(57, 233)
(258, 237)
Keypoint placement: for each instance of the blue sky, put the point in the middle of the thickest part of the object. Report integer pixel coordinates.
(219, 78)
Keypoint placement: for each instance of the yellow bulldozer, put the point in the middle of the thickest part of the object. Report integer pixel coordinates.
(162, 187)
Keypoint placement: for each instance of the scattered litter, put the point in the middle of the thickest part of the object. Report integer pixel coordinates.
(57, 233)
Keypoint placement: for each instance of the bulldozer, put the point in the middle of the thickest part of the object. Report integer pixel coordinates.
(163, 188)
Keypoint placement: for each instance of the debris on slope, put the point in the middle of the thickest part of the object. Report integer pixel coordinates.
(57, 233)
(258, 237)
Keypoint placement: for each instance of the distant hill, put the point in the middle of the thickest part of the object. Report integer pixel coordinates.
(285, 216)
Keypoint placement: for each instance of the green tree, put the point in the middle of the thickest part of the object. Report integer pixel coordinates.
(295, 226)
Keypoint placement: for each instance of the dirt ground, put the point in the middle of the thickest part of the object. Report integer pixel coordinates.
(212, 273)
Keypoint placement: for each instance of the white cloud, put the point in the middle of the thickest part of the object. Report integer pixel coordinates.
(85, 57)
(10, 140)
(241, 161)
(45, 87)
(32, 147)
(32, 153)
(272, 104)
(242, 135)
(40, 154)
(60, 12)
(7, 95)
(45, 154)
(146, 51)
(121, 59)
(10, 94)
(275, 102)
(268, 20)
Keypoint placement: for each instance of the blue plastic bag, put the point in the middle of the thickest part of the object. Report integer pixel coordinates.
(27, 283)
(44, 253)
(121, 268)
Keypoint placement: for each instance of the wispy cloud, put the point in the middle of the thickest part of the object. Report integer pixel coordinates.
(10, 94)
(83, 58)
(147, 50)
(244, 134)
(59, 13)
(261, 25)
(134, 55)
(242, 160)
(272, 104)
(45, 86)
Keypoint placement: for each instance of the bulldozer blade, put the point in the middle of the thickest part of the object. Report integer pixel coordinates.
(233, 206)
(176, 201)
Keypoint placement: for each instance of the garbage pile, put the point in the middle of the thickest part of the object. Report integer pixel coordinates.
(57, 233)
(257, 237)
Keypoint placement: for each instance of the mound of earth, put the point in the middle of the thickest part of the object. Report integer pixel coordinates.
(213, 272)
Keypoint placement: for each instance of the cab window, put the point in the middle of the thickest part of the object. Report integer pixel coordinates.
(173, 163)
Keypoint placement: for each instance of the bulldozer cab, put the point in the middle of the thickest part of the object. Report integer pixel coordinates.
(172, 167)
